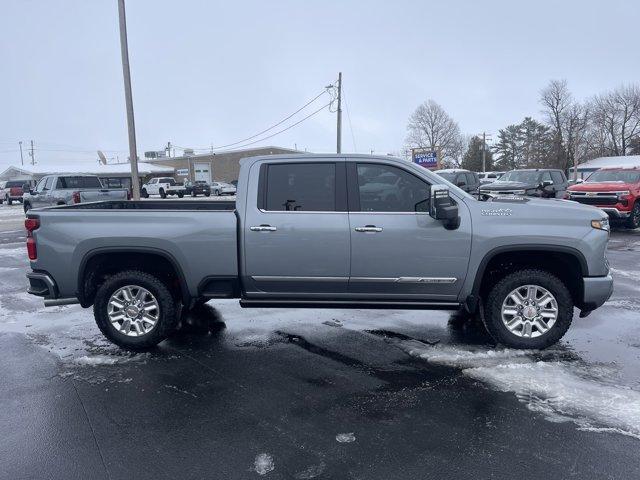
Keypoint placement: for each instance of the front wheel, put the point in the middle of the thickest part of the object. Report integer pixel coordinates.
(135, 310)
(634, 219)
(180, 194)
(216, 193)
(144, 193)
(528, 309)
(162, 193)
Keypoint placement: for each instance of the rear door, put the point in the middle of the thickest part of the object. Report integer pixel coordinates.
(396, 252)
(296, 233)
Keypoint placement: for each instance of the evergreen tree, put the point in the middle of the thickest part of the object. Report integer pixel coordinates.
(472, 159)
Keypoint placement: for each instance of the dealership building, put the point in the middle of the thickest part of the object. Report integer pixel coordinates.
(221, 166)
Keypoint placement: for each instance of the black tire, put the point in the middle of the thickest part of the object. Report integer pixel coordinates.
(162, 193)
(144, 193)
(207, 194)
(167, 319)
(492, 317)
(180, 194)
(26, 206)
(216, 193)
(633, 221)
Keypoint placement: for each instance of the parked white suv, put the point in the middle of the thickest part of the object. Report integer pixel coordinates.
(162, 186)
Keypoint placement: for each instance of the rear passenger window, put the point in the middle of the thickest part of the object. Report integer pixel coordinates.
(301, 187)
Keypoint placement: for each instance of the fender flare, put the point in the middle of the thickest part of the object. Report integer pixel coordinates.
(472, 300)
(184, 289)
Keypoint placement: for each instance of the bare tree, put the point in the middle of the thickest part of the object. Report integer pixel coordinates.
(568, 120)
(431, 127)
(617, 113)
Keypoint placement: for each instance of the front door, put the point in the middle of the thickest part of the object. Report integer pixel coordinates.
(396, 252)
(42, 193)
(296, 232)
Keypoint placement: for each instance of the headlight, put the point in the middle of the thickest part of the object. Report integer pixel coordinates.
(602, 224)
(623, 194)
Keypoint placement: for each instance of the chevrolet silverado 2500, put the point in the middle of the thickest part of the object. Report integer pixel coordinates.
(326, 231)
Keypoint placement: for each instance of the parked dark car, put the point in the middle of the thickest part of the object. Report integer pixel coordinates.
(199, 187)
(539, 182)
(465, 179)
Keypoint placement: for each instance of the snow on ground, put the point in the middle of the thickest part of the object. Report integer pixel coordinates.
(560, 389)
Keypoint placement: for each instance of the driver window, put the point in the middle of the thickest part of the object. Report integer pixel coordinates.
(383, 188)
(48, 184)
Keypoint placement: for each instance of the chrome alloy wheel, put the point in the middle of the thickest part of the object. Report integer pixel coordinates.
(529, 311)
(133, 310)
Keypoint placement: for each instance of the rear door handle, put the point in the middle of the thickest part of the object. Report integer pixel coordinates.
(263, 228)
(369, 229)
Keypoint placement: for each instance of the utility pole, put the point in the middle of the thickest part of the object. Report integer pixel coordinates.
(339, 139)
(126, 72)
(33, 158)
(21, 158)
(168, 149)
(484, 152)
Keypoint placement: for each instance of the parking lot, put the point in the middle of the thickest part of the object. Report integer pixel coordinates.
(316, 393)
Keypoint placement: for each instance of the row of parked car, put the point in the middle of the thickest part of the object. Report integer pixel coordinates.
(54, 190)
(614, 190)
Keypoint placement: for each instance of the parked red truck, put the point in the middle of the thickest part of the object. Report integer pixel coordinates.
(614, 190)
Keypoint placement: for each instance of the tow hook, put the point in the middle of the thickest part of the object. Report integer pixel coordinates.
(585, 313)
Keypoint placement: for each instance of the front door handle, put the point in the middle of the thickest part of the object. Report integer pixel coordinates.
(263, 228)
(369, 229)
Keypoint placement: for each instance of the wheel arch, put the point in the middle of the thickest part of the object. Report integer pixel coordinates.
(549, 257)
(123, 258)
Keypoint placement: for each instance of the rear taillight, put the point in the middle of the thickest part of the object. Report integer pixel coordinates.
(76, 197)
(31, 224)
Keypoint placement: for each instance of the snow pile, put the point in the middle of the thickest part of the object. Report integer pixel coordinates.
(263, 464)
(560, 390)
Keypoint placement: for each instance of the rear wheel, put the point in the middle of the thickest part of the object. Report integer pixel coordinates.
(162, 193)
(9, 200)
(634, 219)
(180, 194)
(144, 193)
(26, 207)
(135, 310)
(528, 309)
(207, 194)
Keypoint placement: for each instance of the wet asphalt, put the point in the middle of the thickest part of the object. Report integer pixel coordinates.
(294, 394)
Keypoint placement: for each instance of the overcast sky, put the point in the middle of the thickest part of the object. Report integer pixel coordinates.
(213, 72)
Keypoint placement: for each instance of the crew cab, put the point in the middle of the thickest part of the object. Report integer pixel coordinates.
(162, 186)
(326, 231)
(11, 191)
(69, 190)
(614, 190)
(538, 182)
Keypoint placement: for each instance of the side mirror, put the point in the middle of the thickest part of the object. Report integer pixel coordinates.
(443, 208)
(579, 180)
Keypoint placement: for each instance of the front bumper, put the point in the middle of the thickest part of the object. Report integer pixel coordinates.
(615, 213)
(597, 290)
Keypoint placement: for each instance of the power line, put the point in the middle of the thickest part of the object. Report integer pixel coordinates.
(346, 107)
(287, 128)
(269, 128)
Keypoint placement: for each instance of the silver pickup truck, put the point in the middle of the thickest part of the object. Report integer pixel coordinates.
(68, 190)
(326, 231)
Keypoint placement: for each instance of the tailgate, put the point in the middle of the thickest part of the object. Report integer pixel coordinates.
(102, 195)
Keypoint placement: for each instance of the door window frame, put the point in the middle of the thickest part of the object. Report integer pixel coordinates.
(353, 189)
(340, 189)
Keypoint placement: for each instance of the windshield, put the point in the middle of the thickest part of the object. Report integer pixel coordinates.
(614, 176)
(521, 176)
(447, 175)
(14, 184)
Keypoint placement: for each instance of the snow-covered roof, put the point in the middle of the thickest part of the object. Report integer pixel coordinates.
(611, 162)
(84, 167)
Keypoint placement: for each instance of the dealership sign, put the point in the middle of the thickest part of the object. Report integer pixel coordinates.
(183, 172)
(425, 158)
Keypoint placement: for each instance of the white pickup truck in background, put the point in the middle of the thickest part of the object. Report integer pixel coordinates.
(162, 186)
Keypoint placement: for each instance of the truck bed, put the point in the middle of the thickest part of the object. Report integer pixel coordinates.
(227, 205)
(199, 237)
